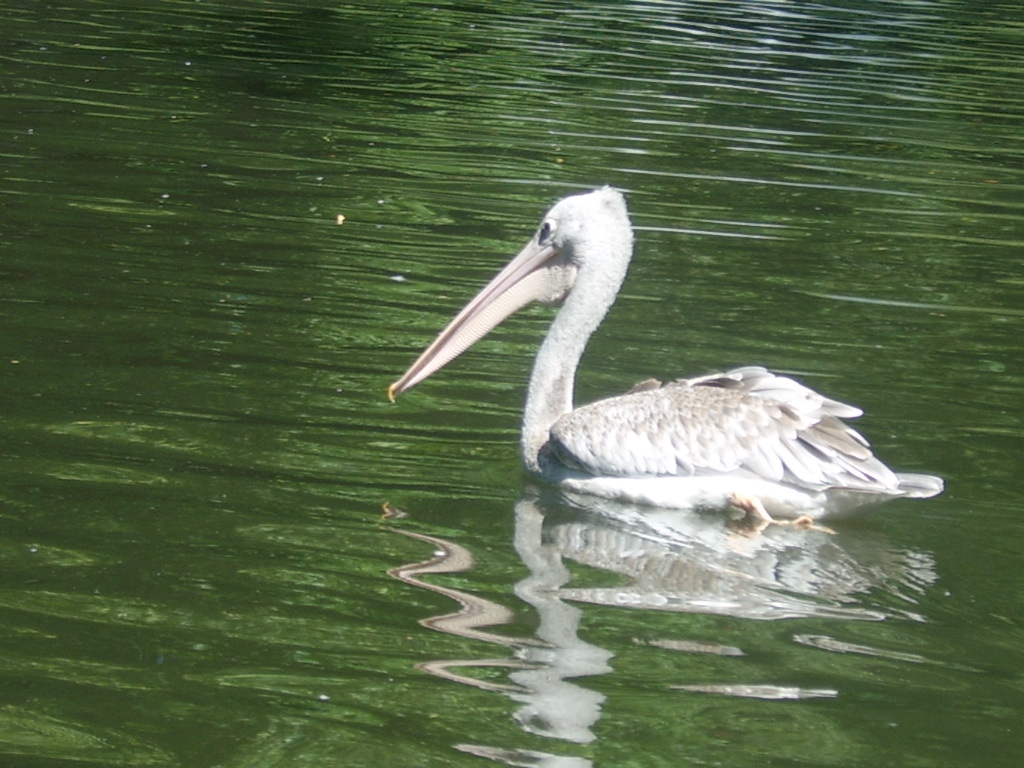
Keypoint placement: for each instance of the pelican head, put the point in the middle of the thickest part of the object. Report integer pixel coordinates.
(584, 238)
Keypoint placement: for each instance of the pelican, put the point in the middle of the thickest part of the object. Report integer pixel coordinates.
(745, 439)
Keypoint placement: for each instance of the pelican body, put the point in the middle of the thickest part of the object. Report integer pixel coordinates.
(744, 438)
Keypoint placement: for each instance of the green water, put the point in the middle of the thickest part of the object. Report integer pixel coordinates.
(196, 567)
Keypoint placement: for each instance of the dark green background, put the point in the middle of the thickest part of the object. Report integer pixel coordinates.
(196, 444)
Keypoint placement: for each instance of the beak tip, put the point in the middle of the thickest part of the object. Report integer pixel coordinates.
(392, 394)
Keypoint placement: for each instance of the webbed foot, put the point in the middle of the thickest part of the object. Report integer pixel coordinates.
(757, 518)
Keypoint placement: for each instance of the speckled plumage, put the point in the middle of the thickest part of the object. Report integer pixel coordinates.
(745, 419)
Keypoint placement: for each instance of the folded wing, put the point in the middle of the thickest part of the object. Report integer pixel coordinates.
(746, 420)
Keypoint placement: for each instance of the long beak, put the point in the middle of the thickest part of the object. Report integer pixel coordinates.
(536, 274)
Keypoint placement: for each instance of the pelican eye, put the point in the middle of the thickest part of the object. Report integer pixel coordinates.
(547, 229)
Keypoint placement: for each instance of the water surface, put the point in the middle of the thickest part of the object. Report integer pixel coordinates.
(211, 518)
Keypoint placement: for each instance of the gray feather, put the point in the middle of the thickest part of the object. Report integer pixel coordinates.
(747, 419)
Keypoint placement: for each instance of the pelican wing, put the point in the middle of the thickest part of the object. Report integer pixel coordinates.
(745, 420)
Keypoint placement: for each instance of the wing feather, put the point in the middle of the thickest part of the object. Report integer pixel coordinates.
(746, 420)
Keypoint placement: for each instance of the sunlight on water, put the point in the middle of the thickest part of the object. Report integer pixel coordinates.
(202, 475)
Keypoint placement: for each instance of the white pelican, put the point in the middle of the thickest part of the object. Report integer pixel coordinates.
(746, 438)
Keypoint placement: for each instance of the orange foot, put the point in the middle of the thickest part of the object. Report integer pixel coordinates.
(757, 517)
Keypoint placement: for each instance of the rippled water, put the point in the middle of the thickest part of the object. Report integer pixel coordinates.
(220, 545)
